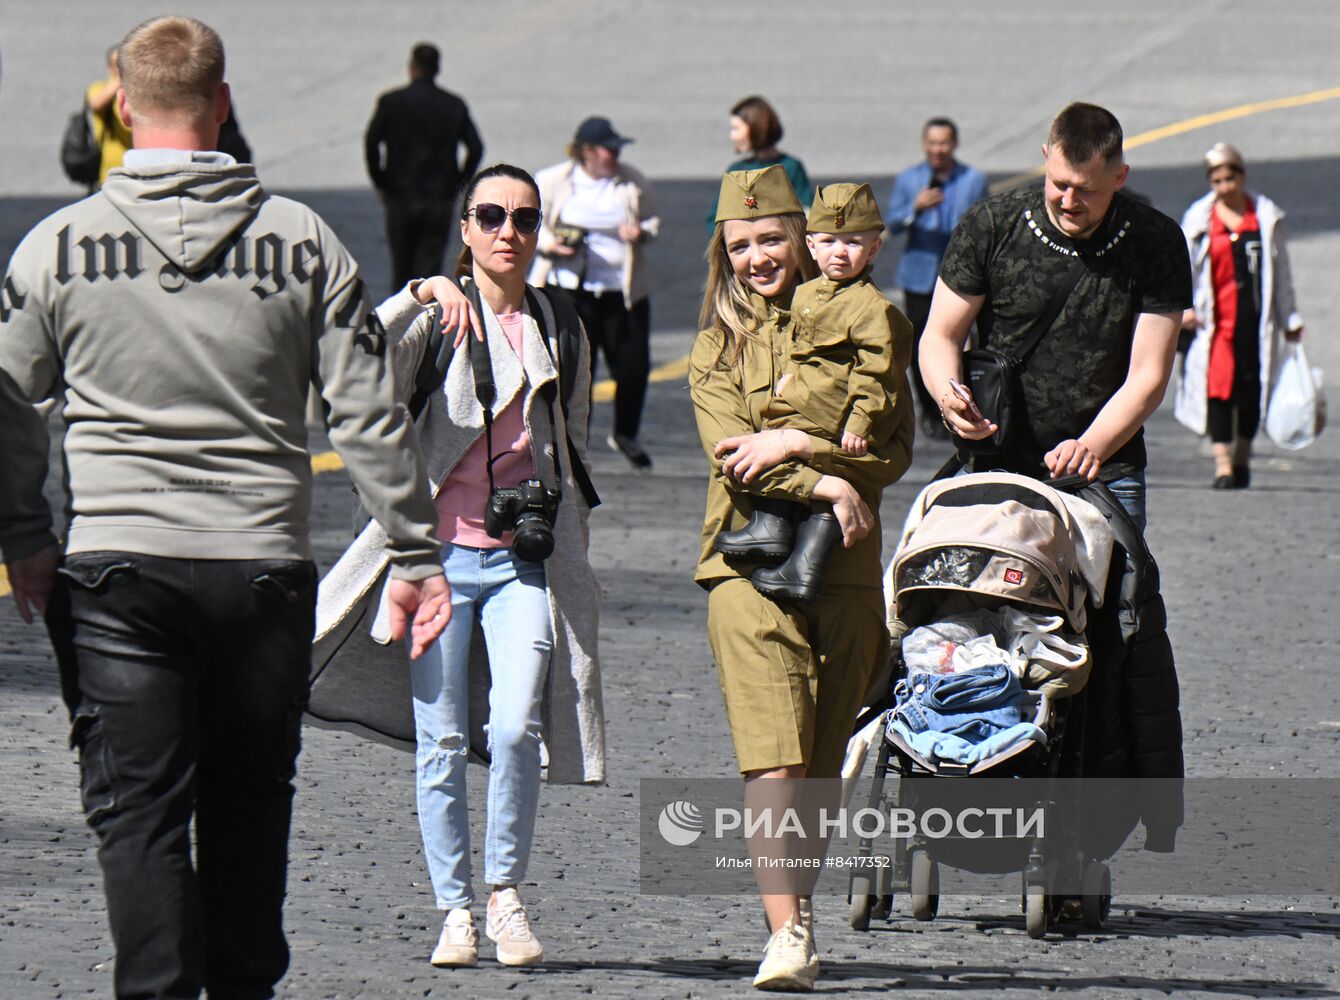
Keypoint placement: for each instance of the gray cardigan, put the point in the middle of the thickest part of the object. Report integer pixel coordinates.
(572, 711)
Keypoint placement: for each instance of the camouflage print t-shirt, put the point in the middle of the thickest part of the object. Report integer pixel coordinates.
(1007, 249)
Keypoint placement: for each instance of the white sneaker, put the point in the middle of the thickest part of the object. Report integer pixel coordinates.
(790, 964)
(458, 946)
(509, 928)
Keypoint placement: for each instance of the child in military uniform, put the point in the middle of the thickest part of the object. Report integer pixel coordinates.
(849, 348)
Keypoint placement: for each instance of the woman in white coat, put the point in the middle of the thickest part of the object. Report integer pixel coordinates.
(1243, 306)
(599, 215)
(537, 610)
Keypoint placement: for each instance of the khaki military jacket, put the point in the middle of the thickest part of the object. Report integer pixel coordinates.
(849, 348)
(730, 401)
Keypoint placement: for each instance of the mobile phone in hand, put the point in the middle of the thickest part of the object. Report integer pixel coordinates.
(961, 391)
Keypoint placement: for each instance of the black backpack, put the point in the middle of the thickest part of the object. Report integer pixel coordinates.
(80, 153)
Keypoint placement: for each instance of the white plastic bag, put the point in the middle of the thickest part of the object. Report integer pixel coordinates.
(930, 649)
(1295, 413)
(1045, 658)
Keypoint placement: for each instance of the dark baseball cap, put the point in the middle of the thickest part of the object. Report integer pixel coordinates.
(599, 132)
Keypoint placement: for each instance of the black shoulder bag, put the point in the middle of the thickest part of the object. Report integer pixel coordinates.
(996, 378)
(80, 153)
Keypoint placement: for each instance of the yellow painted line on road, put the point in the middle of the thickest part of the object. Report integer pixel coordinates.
(4, 582)
(601, 392)
(326, 461)
(1231, 114)
(1198, 122)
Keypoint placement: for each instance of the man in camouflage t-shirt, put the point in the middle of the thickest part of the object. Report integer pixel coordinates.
(1102, 367)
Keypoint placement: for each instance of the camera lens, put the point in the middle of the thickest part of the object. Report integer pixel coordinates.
(532, 538)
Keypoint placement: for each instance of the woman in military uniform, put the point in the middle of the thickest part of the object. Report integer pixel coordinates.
(793, 677)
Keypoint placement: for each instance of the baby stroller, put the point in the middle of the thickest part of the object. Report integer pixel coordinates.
(993, 549)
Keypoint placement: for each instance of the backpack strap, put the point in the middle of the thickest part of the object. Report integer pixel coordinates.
(433, 366)
(566, 359)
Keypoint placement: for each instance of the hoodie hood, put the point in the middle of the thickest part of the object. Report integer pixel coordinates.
(188, 210)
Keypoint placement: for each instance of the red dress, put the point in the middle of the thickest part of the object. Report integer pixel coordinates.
(1227, 273)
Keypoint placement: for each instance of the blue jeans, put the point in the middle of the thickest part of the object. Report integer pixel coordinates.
(509, 598)
(1130, 493)
(972, 704)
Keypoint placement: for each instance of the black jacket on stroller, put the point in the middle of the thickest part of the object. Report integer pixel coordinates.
(1133, 723)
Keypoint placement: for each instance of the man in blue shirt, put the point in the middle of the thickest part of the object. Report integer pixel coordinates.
(927, 201)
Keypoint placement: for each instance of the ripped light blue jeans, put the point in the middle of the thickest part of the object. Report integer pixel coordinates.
(509, 598)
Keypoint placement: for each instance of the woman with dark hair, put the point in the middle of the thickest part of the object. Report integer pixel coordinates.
(523, 579)
(1243, 297)
(793, 676)
(755, 131)
(598, 215)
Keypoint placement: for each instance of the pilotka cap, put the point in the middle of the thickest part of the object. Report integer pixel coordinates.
(1221, 154)
(844, 208)
(753, 194)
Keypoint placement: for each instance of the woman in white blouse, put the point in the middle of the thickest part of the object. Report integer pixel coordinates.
(598, 214)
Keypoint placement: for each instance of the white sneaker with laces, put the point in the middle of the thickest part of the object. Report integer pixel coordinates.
(458, 945)
(790, 964)
(509, 928)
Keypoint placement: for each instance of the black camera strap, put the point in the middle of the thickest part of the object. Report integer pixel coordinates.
(487, 392)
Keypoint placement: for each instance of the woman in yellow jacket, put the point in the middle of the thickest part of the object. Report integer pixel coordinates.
(793, 676)
(110, 133)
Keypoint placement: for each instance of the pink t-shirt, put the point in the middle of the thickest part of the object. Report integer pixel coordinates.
(465, 492)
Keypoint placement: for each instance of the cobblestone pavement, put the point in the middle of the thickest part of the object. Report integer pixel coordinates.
(1249, 578)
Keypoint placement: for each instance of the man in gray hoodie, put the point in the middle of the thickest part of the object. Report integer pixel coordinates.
(179, 317)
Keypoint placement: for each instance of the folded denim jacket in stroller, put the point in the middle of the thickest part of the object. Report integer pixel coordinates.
(963, 717)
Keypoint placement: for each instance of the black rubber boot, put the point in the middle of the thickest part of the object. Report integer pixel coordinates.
(801, 577)
(768, 535)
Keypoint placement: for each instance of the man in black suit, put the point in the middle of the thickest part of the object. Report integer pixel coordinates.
(413, 152)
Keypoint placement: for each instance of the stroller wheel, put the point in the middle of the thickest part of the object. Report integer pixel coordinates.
(925, 883)
(861, 907)
(1036, 910)
(1097, 900)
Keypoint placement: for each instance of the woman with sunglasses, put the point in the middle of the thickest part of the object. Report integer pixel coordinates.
(793, 676)
(599, 213)
(537, 611)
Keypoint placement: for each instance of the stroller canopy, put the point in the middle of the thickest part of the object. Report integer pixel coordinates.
(993, 534)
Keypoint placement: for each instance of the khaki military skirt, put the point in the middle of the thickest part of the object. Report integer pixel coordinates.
(793, 678)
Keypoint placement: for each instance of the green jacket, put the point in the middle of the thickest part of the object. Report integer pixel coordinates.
(850, 348)
(728, 402)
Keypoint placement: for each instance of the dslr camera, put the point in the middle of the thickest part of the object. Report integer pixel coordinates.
(528, 511)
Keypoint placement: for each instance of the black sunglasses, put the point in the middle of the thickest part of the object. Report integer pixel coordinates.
(490, 218)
